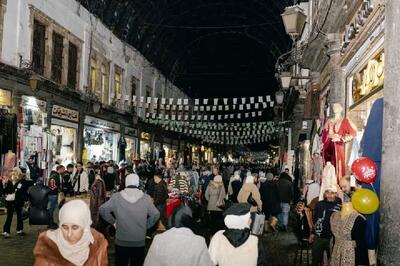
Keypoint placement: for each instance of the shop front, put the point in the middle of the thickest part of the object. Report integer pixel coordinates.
(145, 146)
(101, 140)
(63, 134)
(131, 138)
(34, 138)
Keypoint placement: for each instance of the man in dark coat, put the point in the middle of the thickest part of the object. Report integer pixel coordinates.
(160, 196)
(285, 189)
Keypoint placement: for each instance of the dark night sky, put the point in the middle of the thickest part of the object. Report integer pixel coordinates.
(208, 48)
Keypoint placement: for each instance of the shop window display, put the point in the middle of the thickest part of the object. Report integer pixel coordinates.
(32, 135)
(100, 145)
(63, 144)
(145, 150)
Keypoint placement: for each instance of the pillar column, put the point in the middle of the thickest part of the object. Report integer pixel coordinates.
(80, 138)
(390, 185)
(337, 84)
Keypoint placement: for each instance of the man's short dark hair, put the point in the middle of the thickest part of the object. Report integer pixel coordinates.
(70, 165)
(60, 166)
(129, 169)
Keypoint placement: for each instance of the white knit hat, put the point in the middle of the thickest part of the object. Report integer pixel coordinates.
(132, 180)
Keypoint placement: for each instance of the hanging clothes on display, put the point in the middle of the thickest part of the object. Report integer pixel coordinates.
(10, 161)
(371, 146)
(328, 179)
(337, 132)
(349, 248)
(8, 132)
(317, 164)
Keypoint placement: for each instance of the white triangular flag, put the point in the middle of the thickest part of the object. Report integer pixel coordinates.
(214, 108)
(246, 115)
(260, 99)
(234, 101)
(253, 114)
(179, 101)
(232, 116)
(251, 99)
(196, 101)
(243, 100)
(141, 99)
(256, 106)
(271, 104)
(248, 106)
(219, 117)
(239, 116)
(171, 101)
(205, 101)
(185, 101)
(268, 98)
(212, 117)
(225, 116)
(225, 101)
(201, 108)
(208, 108)
(241, 107)
(195, 108)
(220, 107)
(215, 101)
(259, 113)
(264, 105)
(226, 107)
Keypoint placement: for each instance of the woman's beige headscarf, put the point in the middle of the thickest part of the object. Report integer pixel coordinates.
(74, 212)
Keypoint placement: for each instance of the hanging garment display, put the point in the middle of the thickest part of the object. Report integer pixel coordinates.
(336, 133)
(328, 179)
(8, 131)
(349, 248)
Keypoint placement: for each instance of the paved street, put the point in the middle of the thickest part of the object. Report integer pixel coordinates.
(18, 250)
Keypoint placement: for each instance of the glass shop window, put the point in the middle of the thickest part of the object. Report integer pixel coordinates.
(38, 47)
(57, 57)
(72, 65)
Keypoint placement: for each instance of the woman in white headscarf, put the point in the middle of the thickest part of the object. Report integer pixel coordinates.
(235, 184)
(74, 242)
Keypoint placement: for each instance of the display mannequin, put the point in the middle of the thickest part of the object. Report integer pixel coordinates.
(328, 179)
(337, 131)
(10, 161)
(348, 228)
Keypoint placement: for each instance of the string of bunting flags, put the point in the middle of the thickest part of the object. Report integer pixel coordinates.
(217, 126)
(184, 109)
(203, 117)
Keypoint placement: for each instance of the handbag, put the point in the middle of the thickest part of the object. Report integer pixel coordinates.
(258, 224)
(221, 201)
(10, 197)
(251, 200)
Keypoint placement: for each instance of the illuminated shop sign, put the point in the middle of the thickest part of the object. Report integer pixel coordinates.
(369, 78)
(99, 123)
(131, 131)
(65, 113)
(353, 28)
(145, 136)
(5, 97)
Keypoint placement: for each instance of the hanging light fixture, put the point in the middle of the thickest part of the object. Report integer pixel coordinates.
(34, 80)
(294, 19)
(285, 78)
(279, 96)
(96, 107)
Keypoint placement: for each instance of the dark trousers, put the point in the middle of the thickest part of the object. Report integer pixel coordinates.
(11, 206)
(217, 221)
(52, 205)
(317, 250)
(125, 254)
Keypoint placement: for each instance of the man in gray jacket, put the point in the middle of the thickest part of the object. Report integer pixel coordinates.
(132, 212)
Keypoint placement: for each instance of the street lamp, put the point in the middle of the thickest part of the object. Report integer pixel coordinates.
(279, 96)
(285, 77)
(294, 20)
(96, 107)
(34, 80)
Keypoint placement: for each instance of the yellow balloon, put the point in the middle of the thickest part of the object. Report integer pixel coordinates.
(365, 201)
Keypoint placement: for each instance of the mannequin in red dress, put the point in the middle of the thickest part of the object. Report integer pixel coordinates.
(337, 131)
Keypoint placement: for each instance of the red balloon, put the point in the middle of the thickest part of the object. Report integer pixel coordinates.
(365, 170)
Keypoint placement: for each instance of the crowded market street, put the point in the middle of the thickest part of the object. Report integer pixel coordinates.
(199, 132)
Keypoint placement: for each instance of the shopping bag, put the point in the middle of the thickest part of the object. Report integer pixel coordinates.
(258, 224)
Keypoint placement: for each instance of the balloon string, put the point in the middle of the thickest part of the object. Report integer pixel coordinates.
(373, 188)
